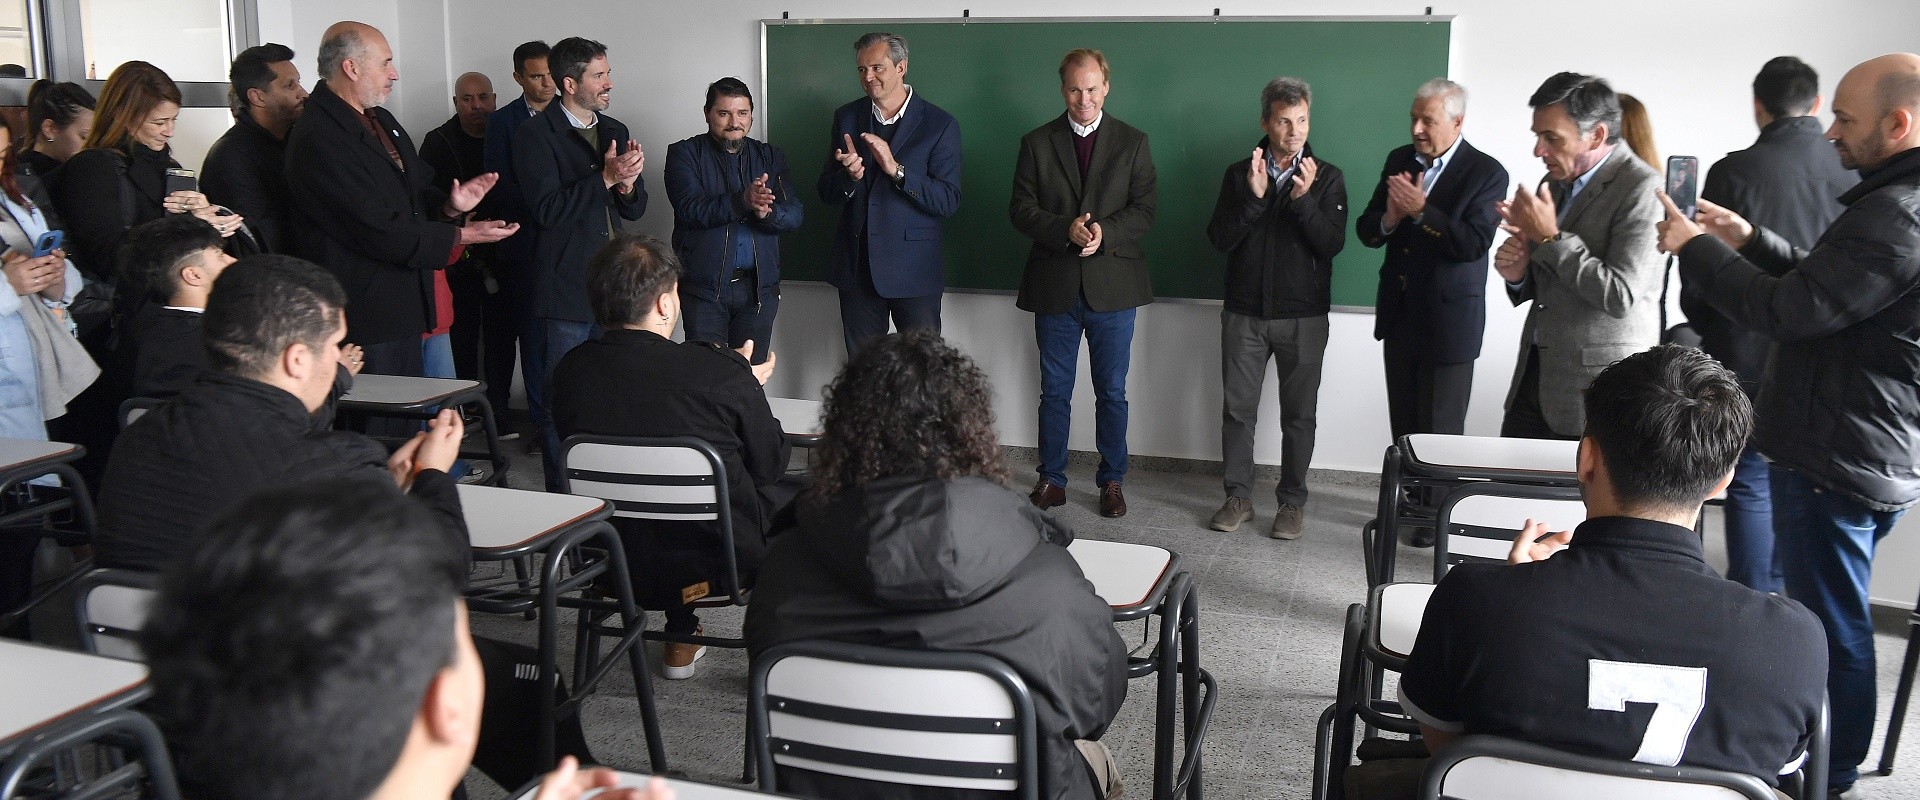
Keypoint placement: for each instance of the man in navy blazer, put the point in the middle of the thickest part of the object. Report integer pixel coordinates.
(894, 170)
(514, 256)
(1435, 213)
(580, 172)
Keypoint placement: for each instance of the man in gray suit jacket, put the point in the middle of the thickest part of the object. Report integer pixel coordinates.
(1583, 250)
(1083, 191)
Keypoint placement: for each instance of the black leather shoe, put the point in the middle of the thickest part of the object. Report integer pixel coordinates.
(1113, 503)
(1046, 495)
(1420, 537)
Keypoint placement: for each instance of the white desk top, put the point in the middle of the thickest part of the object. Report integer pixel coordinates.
(499, 518)
(16, 452)
(45, 684)
(682, 789)
(797, 417)
(1492, 452)
(400, 391)
(1122, 574)
(1401, 607)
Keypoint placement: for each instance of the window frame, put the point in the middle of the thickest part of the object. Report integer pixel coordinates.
(59, 52)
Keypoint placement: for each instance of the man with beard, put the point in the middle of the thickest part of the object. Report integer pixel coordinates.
(245, 170)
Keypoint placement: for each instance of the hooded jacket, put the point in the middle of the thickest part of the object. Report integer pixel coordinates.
(966, 565)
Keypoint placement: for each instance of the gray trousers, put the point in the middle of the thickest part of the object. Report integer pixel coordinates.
(1296, 347)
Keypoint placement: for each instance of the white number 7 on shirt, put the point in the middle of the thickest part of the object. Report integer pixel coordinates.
(1678, 695)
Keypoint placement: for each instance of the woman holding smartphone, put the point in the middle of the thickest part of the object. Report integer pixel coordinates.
(40, 287)
(121, 179)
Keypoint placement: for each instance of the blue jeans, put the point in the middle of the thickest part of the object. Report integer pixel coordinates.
(1110, 347)
(739, 315)
(1826, 544)
(436, 356)
(1751, 559)
(561, 336)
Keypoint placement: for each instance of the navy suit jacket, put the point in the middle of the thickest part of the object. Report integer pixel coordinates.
(506, 198)
(903, 221)
(1440, 258)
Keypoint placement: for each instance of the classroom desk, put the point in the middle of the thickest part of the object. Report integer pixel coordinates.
(1139, 580)
(46, 685)
(1443, 462)
(407, 397)
(799, 419)
(683, 789)
(580, 547)
(22, 460)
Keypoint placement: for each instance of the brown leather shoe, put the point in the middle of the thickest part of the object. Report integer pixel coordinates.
(1112, 502)
(1046, 495)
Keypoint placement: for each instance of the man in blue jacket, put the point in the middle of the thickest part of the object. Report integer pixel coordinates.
(731, 200)
(579, 171)
(894, 169)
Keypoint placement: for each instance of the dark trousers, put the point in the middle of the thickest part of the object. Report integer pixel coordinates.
(1422, 396)
(486, 330)
(864, 313)
(1297, 348)
(742, 313)
(1524, 418)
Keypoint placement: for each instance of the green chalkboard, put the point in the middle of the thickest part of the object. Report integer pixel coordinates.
(1192, 84)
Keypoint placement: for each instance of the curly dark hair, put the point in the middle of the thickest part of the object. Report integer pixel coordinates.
(906, 404)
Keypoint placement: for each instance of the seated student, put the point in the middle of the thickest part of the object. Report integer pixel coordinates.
(312, 645)
(908, 468)
(256, 420)
(635, 381)
(168, 266)
(272, 330)
(1617, 640)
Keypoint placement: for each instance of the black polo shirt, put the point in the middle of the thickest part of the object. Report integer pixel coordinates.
(1625, 645)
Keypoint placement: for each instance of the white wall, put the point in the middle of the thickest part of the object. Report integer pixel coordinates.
(1691, 63)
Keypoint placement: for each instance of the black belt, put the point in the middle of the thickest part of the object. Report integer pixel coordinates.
(741, 274)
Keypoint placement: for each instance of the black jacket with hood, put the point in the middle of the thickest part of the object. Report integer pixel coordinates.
(948, 565)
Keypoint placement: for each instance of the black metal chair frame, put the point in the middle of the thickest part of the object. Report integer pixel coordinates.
(567, 580)
(735, 593)
(91, 630)
(1380, 537)
(345, 415)
(123, 728)
(1508, 749)
(21, 501)
(760, 704)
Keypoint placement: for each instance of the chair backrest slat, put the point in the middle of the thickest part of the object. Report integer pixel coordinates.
(1492, 768)
(112, 607)
(955, 720)
(647, 481)
(1478, 521)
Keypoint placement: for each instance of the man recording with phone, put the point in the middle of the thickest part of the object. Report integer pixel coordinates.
(1788, 182)
(1838, 418)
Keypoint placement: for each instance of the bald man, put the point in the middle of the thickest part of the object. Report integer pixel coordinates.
(1838, 416)
(366, 207)
(481, 312)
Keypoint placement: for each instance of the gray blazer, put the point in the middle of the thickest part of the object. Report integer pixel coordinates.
(1595, 291)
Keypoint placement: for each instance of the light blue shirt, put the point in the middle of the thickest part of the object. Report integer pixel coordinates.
(1429, 176)
(1580, 183)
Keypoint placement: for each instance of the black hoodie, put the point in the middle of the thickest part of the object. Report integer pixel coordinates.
(949, 565)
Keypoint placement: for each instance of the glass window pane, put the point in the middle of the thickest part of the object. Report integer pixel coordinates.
(196, 132)
(16, 41)
(186, 38)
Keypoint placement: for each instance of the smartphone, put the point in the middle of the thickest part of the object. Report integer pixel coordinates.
(182, 180)
(1683, 183)
(46, 243)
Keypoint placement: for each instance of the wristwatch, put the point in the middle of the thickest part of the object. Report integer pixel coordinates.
(1557, 236)
(899, 173)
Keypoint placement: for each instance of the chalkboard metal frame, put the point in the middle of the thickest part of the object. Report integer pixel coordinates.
(1358, 190)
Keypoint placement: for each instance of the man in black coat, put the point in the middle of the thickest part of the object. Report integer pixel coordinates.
(485, 324)
(1434, 211)
(368, 209)
(169, 265)
(246, 169)
(636, 381)
(1838, 417)
(579, 171)
(273, 328)
(1788, 182)
(1281, 218)
(1084, 192)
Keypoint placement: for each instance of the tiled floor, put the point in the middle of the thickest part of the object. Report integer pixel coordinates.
(1271, 623)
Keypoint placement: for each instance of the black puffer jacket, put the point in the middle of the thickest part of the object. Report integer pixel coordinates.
(1841, 399)
(949, 565)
